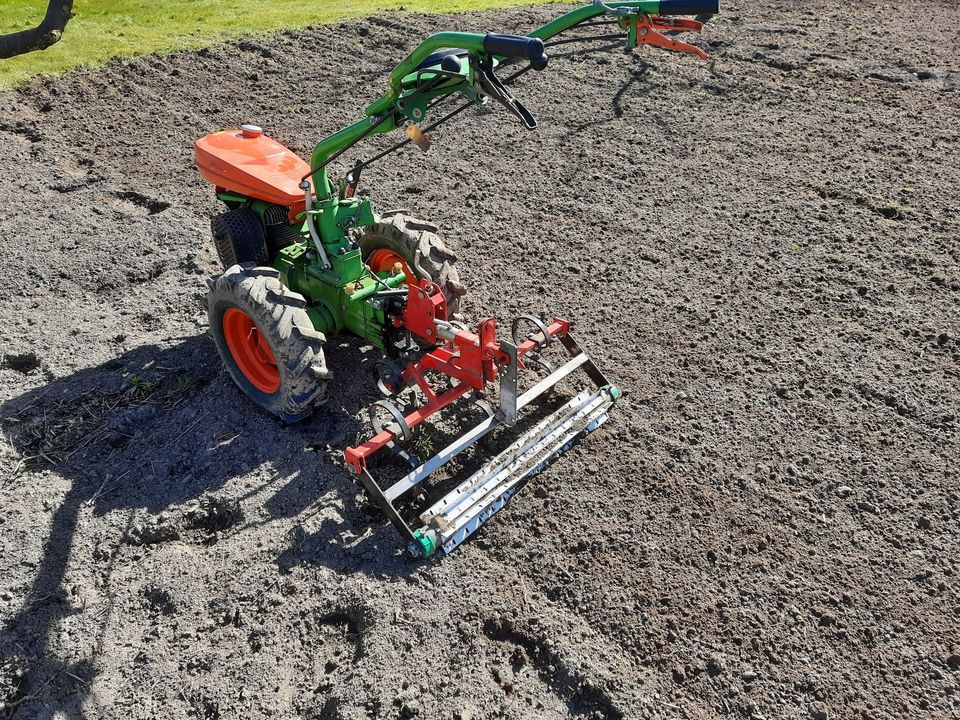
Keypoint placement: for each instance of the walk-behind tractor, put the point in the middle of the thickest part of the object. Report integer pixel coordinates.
(305, 258)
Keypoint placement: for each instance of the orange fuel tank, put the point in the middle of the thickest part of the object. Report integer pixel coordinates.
(247, 162)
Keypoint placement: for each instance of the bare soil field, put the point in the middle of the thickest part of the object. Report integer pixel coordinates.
(763, 251)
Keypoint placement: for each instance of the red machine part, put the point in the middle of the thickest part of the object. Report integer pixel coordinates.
(425, 305)
(251, 351)
(651, 28)
(385, 260)
(473, 359)
(248, 162)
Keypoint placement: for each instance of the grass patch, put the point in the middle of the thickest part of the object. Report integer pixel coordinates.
(103, 29)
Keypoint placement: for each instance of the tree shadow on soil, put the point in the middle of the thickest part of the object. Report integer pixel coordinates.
(163, 430)
(639, 81)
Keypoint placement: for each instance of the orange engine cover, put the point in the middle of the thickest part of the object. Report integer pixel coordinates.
(250, 163)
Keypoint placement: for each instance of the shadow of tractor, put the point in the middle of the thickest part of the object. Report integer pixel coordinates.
(160, 433)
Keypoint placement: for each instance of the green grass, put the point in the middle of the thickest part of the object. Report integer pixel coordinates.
(105, 28)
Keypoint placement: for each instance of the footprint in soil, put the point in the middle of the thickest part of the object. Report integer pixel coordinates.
(26, 132)
(202, 522)
(135, 204)
(333, 644)
(535, 678)
(158, 601)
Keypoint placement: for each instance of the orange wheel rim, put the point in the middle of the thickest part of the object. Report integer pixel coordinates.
(250, 351)
(383, 260)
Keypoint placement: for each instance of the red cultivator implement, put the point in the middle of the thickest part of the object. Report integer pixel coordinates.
(473, 360)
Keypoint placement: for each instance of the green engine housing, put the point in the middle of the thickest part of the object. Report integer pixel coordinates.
(344, 296)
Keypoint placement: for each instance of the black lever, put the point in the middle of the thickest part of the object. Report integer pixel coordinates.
(492, 87)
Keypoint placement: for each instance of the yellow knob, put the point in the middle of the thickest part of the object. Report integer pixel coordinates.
(397, 268)
(349, 289)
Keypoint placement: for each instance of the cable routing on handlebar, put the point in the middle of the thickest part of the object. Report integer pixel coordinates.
(618, 12)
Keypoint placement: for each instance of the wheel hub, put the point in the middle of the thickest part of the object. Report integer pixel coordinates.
(384, 260)
(251, 351)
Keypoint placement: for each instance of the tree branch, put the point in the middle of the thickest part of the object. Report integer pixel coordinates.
(41, 37)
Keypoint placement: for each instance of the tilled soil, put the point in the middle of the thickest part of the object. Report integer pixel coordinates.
(763, 250)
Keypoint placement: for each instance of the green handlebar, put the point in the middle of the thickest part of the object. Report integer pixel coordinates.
(472, 42)
(519, 46)
(485, 44)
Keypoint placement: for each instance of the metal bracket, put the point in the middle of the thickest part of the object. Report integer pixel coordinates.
(508, 385)
(376, 494)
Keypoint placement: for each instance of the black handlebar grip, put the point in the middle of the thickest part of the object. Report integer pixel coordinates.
(516, 46)
(689, 7)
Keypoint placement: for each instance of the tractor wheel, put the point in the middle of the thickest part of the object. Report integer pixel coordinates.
(266, 340)
(239, 239)
(419, 250)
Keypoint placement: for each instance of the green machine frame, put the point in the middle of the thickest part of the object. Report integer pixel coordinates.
(327, 266)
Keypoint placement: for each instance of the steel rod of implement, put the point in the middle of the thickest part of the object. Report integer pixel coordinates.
(527, 460)
(417, 476)
(461, 512)
(552, 379)
(503, 495)
(487, 480)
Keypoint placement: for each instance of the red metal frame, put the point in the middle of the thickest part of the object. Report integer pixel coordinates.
(425, 305)
(650, 29)
(473, 359)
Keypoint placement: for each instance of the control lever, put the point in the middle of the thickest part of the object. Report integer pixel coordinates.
(492, 87)
(353, 180)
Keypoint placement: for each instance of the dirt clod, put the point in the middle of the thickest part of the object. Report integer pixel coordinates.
(22, 362)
